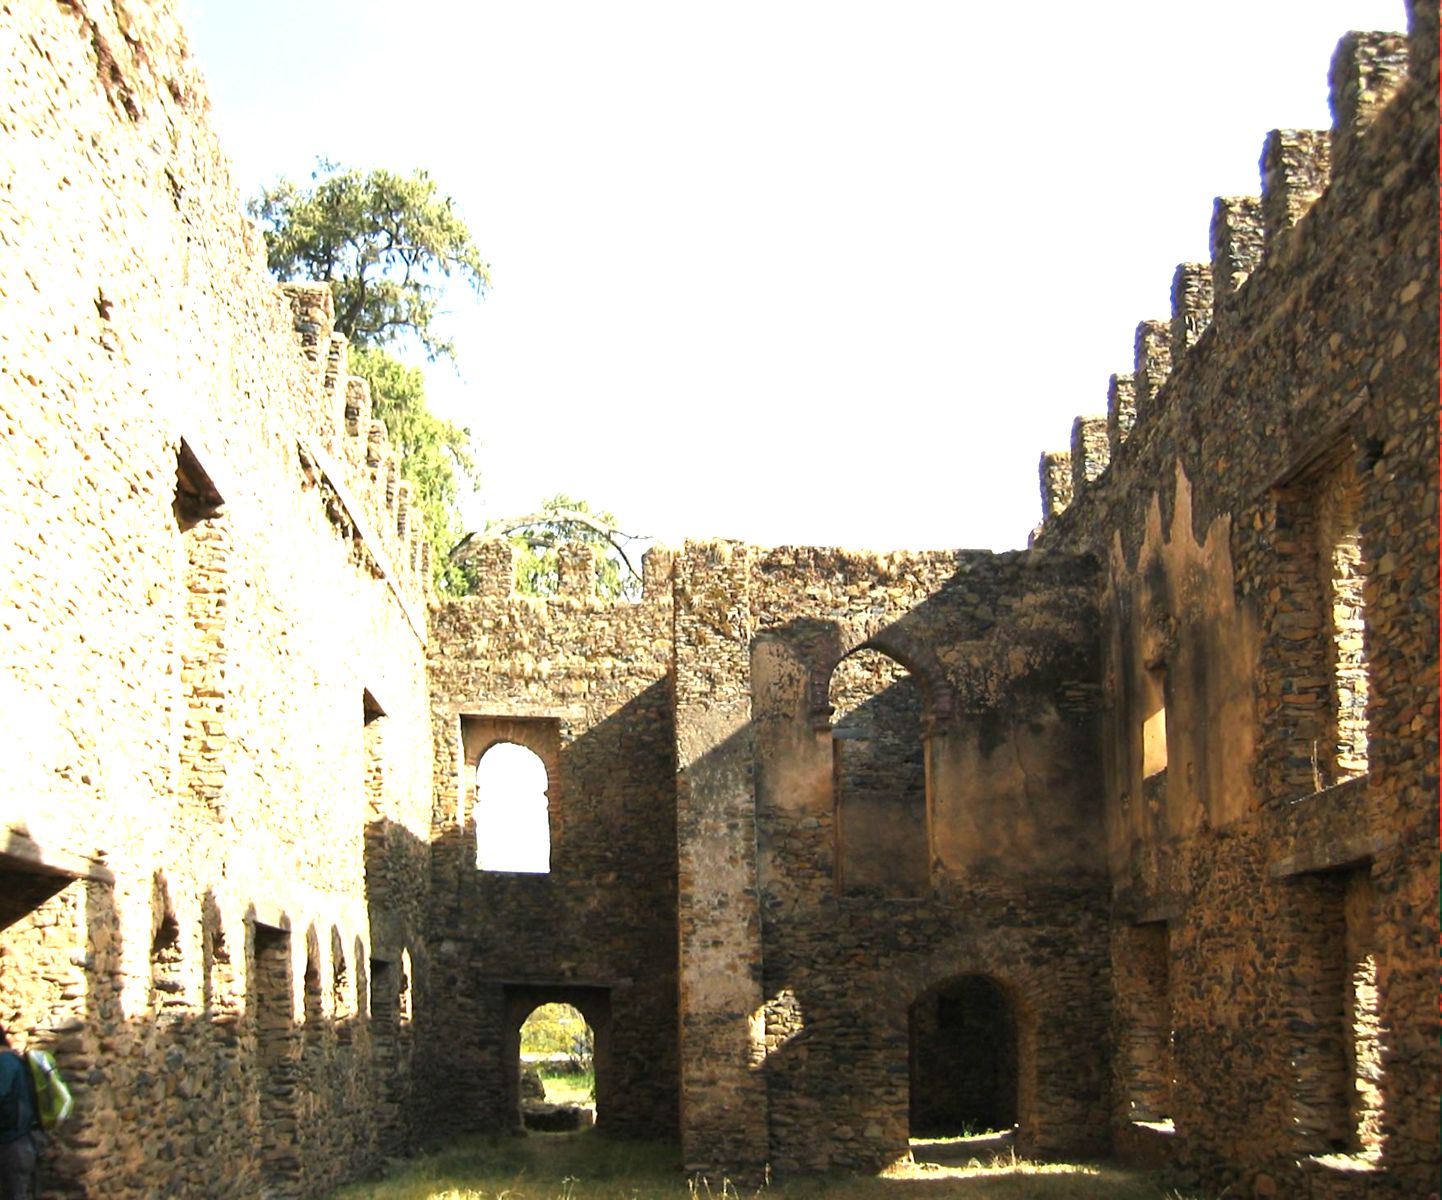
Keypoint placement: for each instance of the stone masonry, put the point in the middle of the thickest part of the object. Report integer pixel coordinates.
(1127, 841)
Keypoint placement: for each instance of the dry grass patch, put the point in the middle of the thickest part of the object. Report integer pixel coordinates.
(589, 1166)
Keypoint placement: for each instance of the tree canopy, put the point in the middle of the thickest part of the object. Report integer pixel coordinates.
(387, 244)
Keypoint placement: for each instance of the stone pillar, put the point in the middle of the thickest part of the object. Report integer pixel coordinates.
(722, 1033)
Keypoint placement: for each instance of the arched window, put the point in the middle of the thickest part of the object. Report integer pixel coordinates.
(513, 830)
(879, 774)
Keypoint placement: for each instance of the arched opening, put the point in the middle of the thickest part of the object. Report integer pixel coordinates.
(513, 830)
(558, 1065)
(557, 1059)
(879, 778)
(963, 1059)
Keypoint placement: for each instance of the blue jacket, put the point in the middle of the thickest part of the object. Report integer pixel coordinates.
(17, 1109)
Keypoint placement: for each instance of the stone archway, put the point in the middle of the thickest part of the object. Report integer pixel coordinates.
(964, 1058)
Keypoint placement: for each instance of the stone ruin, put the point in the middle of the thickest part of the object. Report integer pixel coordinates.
(1127, 841)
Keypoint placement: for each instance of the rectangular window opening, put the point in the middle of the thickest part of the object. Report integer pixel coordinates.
(1337, 1062)
(1154, 722)
(1145, 997)
(1318, 625)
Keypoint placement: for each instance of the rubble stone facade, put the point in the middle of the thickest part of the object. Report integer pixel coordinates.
(1127, 840)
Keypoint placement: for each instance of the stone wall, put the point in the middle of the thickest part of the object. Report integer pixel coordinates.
(206, 597)
(1010, 884)
(1149, 809)
(1269, 529)
(585, 684)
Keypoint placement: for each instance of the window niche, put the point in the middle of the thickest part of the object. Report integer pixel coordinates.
(1337, 1085)
(510, 769)
(879, 778)
(277, 1058)
(1154, 720)
(205, 548)
(1144, 1000)
(1318, 647)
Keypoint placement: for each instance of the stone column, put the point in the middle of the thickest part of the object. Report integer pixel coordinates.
(722, 1033)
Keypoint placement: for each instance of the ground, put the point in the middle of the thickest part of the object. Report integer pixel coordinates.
(588, 1166)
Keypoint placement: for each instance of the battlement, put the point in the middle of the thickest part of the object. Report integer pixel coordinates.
(1247, 232)
(491, 561)
(352, 449)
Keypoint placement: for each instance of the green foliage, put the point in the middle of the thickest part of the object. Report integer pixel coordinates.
(537, 567)
(386, 244)
(556, 1029)
(436, 456)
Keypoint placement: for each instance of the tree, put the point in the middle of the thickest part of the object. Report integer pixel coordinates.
(436, 455)
(560, 520)
(387, 244)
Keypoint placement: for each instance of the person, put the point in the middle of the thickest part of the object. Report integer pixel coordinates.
(19, 1145)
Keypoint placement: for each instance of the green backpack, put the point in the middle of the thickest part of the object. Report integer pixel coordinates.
(53, 1101)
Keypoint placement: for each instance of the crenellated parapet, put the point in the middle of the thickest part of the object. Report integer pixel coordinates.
(1191, 306)
(1367, 69)
(1090, 450)
(1296, 168)
(491, 561)
(1056, 483)
(1152, 363)
(347, 450)
(1121, 411)
(1236, 243)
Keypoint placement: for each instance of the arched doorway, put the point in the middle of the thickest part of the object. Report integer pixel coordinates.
(963, 1059)
(583, 1030)
(557, 1062)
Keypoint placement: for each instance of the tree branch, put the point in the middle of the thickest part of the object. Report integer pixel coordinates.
(506, 526)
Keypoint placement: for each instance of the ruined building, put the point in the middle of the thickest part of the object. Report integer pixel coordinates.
(1128, 839)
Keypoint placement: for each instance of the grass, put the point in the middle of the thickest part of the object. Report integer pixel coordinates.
(569, 1087)
(589, 1166)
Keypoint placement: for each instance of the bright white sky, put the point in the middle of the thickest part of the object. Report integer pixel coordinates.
(789, 272)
